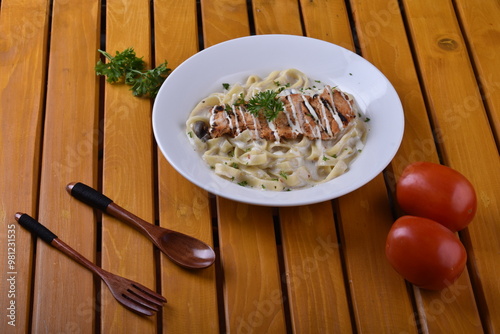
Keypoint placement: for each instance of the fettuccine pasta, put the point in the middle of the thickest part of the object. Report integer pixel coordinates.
(311, 136)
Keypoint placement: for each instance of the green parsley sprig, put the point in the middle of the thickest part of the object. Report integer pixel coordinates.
(266, 103)
(126, 67)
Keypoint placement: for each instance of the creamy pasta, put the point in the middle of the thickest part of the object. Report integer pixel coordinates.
(315, 134)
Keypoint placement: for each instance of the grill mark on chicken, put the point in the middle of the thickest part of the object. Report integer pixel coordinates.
(344, 106)
(322, 116)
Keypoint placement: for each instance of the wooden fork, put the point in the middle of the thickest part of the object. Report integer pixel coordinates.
(132, 295)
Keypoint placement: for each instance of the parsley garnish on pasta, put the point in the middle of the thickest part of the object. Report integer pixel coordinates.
(267, 103)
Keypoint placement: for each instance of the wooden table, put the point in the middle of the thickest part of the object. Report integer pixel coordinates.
(311, 269)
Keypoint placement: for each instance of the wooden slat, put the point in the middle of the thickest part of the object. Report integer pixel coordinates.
(64, 291)
(23, 45)
(328, 21)
(277, 17)
(366, 219)
(253, 298)
(482, 29)
(176, 31)
(223, 20)
(316, 286)
(127, 169)
(466, 140)
(379, 25)
(191, 294)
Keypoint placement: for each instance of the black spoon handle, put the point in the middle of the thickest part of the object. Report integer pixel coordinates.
(99, 201)
(89, 196)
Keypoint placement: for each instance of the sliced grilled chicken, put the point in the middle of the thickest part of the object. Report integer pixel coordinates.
(321, 116)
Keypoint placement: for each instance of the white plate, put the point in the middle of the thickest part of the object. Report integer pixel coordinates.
(233, 61)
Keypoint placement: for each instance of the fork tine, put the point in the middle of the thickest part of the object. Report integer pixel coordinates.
(133, 295)
(145, 299)
(147, 294)
(129, 299)
(134, 306)
(136, 298)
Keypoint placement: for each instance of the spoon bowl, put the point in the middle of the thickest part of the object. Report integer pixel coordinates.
(187, 251)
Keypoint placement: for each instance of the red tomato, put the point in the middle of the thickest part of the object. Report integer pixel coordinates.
(437, 192)
(425, 252)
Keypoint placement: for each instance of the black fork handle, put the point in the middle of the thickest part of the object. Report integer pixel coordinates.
(46, 235)
(35, 227)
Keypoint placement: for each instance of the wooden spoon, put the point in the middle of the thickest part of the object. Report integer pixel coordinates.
(182, 249)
